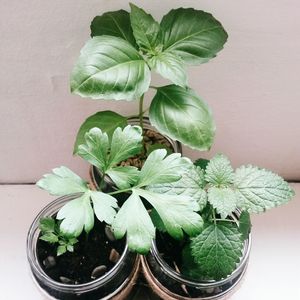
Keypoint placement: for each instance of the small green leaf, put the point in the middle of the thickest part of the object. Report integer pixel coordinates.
(47, 224)
(72, 241)
(62, 182)
(219, 171)
(115, 23)
(104, 206)
(245, 224)
(110, 68)
(145, 29)
(124, 177)
(61, 250)
(76, 215)
(259, 189)
(202, 163)
(159, 168)
(180, 114)
(107, 121)
(49, 237)
(194, 35)
(134, 219)
(177, 212)
(217, 249)
(224, 200)
(70, 248)
(169, 66)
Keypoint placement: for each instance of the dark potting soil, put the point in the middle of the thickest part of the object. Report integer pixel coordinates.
(95, 253)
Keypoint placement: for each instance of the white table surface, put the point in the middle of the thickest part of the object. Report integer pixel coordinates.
(273, 272)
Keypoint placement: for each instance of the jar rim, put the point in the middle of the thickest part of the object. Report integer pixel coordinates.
(35, 266)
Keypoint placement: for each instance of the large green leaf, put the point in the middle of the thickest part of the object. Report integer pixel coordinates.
(217, 249)
(177, 212)
(124, 177)
(107, 121)
(194, 35)
(134, 219)
(260, 189)
(145, 30)
(182, 115)
(76, 215)
(245, 224)
(115, 23)
(62, 182)
(110, 68)
(169, 66)
(219, 171)
(159, 168)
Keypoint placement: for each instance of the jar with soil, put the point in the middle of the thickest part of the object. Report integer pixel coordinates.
(163, 265)
(152, 140)
(99, 268)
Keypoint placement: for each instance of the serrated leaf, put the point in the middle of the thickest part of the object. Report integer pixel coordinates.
(47, 224)
(180, 114)
(61, 250)
(191, 184)
(217, 249)
(107, 121)
(62, 182)
(110, 68)
(224, 200)
(159, 168)
(49, 237)
(134, 219)
(145, 29)
(115, 23)
(245, 224)
(104, 206)
(259, 189)
(76, 215)
(178, 213)
(169, 66)
(124, 177)
(194, 35)
(219, 171)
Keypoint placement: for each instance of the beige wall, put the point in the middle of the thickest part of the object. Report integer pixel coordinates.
(253, 86)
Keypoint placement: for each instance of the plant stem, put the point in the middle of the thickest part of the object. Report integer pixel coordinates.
(141, 112)
(226, 220)
(120, 191)
(214, 217)
(153, 87)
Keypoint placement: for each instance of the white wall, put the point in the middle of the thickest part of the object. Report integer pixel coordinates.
(253, 86)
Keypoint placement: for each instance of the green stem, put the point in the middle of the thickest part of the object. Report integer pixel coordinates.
(141, 112)
(214, 217)
(226, 220)
(120, 191)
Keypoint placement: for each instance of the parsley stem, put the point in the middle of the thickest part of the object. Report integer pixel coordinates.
(214, 217)
(120, 191)
(141, 112)
(226, 220)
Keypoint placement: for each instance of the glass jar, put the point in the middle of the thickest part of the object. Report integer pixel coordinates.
(119, 279)
(95, 174)
(169, 284)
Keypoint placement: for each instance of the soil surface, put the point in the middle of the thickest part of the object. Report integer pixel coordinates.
(94, 255)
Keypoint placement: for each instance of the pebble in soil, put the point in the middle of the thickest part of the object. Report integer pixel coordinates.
(91, 252)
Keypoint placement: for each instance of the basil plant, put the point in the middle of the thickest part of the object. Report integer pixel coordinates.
(117, 61)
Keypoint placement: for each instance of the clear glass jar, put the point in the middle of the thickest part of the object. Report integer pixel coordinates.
(95, 174)
(169, 284)
(119, 278)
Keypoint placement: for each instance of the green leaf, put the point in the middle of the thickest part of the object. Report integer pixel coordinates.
(145, 29)
(157, 221)
(217, 249)
(159, 168)
(194, 35)
(259, 189)
(134, 219)
(177, 212)
(104, 206)
(124, 177)
(115, 23)
(245, 224)
(125, 143)
(189, 267)
(61, 250)
(202, 163)
(49, 237)
(224, 200)
(182, 115)
(219, 171)
(107, 121)
(62, 182)
(76, 215)
(170, 66)
(95, 149)
(191, 184)
(47, 224)
(110, 68)
(70, 248)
